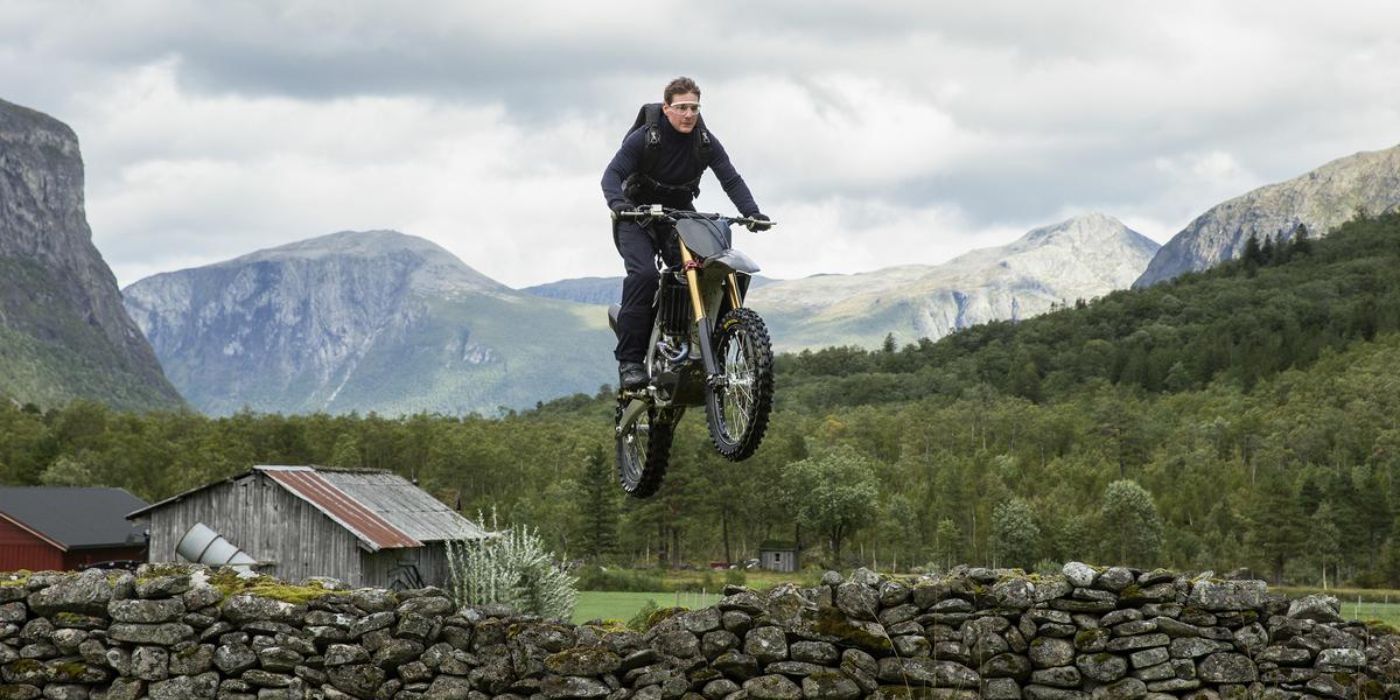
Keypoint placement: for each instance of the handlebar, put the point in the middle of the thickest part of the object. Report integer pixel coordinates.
(656, 211)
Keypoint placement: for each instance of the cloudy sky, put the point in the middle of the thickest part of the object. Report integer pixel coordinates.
(878, 133)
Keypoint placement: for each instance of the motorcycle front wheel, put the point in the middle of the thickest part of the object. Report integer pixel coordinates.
(644, 450)
(737, 409)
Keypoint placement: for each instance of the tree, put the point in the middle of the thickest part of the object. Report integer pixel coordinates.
(597, 506)
(1131, 525)
(833, 493)
(948, 544)
(1015, 536)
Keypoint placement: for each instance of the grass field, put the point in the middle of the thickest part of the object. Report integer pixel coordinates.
(613, 605)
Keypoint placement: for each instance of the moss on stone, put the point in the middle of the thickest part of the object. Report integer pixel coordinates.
(833, 623)
(229, 583)
(1131, 592)
(16, 579)
(662, 615)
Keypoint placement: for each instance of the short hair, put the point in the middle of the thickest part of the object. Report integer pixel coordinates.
(680, 86)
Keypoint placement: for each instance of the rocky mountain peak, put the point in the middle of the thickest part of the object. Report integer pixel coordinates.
(431, 267)
(1321, 200)
(61, 315)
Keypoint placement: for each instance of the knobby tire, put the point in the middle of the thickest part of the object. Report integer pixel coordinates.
(749, 397)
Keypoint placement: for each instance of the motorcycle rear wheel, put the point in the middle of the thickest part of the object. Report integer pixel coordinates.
(644, 451)
(737, 410)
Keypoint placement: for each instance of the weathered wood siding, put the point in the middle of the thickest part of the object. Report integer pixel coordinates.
(407, 568)
(267, 522)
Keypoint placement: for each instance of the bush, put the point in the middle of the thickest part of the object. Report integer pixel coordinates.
(638, 623)
(511, 568)
(736, 577)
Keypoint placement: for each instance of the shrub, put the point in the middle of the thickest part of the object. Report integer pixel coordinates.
(638, 623)
(511, 568)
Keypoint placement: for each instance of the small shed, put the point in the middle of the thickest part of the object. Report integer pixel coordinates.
(777, 556)
(64, 527)
(363, 527)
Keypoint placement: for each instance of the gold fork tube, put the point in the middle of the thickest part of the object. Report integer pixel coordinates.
(692, 279)
(733, 291)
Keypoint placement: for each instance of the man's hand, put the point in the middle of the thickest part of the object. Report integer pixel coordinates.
(760, 222)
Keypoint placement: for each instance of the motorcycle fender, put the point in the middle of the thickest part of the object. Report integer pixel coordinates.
(732, 261)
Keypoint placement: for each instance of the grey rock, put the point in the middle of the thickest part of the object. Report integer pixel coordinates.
(1079, 574)
(893, 593)
(890, 617)
(1115, 579)
(87, 593)
(1016, 594)
(573, 687)
(240, 609)
(746, 602)
(1128, 629)
(1252, 638)
(1060, 677)
(737, 622)
(857, 601)
(717, 642)
(1125, 689)
(185, 687)
(1149, 657)
(1319, 608)
(1284, 656)
(720, 688)
(1195, 647)
(681, 644)
(766, 644)
(1141, 641)
(1102, 667)
(1227, 667)
(740, 667)
(164, 586)
(583, 661)
(1006, 666)
(865, 577)
(1344, 658)
(772, 687)
(1047, 652)
(928, 672)
(125, 689)
(232, 659)
(794, 669)
(359, 680)
(830, 685)
(814, 652)
(1217, 596)
(192, 660)
(1000, 689)
(150, 663)
(912, 645)
(1043, 692)
(448, 688)
(146, 611)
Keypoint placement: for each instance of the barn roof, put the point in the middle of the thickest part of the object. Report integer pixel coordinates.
(382, 509)
(72, 517)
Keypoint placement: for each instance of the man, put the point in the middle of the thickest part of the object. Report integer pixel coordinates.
(660, 165)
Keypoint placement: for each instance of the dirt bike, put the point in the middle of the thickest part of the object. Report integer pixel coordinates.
(724, 365)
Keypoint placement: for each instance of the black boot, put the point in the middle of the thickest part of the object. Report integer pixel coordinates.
(633, 375)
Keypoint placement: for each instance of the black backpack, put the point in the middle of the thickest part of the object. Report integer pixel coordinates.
(642, 186)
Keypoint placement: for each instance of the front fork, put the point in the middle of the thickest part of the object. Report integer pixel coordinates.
(702, 320)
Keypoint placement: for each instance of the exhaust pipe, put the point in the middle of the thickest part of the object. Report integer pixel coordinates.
(202, 545)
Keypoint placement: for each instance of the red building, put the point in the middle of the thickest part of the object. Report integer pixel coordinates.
(55, 528)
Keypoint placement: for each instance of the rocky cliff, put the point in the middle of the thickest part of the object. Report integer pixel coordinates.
(365, 321)
(1082, 258)
(63, 331)
(1321, 200)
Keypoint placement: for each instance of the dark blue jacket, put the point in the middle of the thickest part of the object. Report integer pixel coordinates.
(676, 164)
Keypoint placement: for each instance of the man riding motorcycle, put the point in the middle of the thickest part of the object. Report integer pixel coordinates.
(660, 162)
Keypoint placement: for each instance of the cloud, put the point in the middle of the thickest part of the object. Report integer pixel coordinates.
(879, 134)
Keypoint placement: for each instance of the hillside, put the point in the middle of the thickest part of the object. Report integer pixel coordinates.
(364, 321)
(1318, 201)
(63, 332)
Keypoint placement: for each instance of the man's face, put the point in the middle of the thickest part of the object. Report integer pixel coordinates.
(683, 112)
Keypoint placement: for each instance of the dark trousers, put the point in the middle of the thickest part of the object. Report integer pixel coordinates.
(638, 248)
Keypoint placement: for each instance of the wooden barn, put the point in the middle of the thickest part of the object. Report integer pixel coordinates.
(363, 527)
(778, 556)
(62, 527)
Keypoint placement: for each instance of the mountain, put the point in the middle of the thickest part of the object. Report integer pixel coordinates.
(600, 290)
(1082, 258)
(1321, 200)
(63, 332)
(365, 321)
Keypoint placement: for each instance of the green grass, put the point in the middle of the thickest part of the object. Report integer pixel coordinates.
(614, 605)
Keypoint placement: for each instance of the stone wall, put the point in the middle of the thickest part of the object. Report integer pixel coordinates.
(1114, 633)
